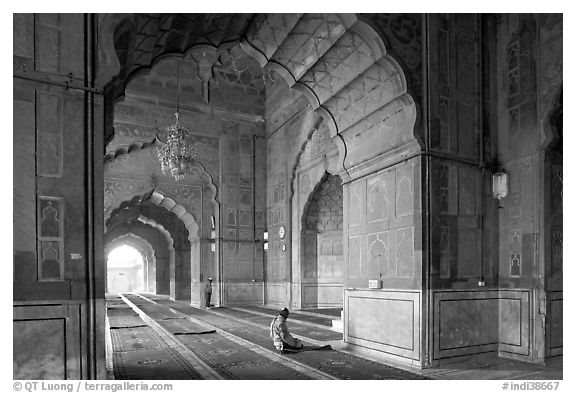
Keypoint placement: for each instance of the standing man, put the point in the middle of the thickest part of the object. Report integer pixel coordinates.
(283, 340)
(208, 292)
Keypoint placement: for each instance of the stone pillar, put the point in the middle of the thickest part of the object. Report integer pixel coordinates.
(58, 223)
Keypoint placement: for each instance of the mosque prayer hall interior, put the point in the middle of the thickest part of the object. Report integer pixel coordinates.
(394, 180)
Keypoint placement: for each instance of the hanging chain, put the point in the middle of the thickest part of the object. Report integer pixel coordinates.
(178, 85)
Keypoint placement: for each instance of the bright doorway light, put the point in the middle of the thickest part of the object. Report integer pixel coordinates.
(124, 256)
(125, 270)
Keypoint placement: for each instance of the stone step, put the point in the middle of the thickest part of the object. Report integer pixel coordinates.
(338, 324)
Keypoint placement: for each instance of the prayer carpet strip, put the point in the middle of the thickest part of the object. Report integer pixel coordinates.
(229, 359)
(335, 363)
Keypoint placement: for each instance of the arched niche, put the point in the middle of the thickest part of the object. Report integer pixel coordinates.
(321, 244)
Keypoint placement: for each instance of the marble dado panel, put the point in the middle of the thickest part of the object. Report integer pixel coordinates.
(388, 321)
(243, 293)
(322, 294)
(479, 321)
(555, 318)
(278, 293)
(47, 341)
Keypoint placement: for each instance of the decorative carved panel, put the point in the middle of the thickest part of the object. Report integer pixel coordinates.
(245, 218)
(405, 252)
(557, 252)
(354, 256)
(467, 191)
(557, 191)
(50, 238)
(49, 127)
(444, 187)
(404, 192)
(231, 217)
(444, 252)
(354, 217)
(378, 254)
(515, 265)
(469, 265)
(378, 201)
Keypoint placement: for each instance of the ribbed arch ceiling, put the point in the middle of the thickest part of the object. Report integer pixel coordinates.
(338, 62)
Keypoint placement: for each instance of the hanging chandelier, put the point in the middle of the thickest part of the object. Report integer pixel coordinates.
(176, 155)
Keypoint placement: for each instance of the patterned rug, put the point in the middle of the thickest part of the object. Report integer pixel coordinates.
(229, 359)
(338, 364)
(183, 326)
(163, 363)
(140, 353)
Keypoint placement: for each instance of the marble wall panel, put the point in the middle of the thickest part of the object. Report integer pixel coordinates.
(49, 134)
(277, 293)
(479, 321)
(46, 341)
(510, 318)
(354, 256)
(23, 35)
(322, 295)
(243, 293)
(35, 357)
(182, 275)
(465, 322)
(357, 192)
(405, 252)
(380, 202)
(388, 321)
(556, 319)
(468, 263)
(378, 255)
(514, 322)
(404, 191)
(24, 200)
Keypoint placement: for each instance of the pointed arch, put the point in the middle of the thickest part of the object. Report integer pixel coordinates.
(347, 75)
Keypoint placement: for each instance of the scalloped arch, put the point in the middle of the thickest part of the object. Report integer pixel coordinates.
(127, 149)
(148, 221)
(168, 203)
(351, 61)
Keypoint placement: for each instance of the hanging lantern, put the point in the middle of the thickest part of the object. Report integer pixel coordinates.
(176, 155)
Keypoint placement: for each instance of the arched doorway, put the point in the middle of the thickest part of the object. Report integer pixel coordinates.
(322, 251)
(143, 240)
(125, 270)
